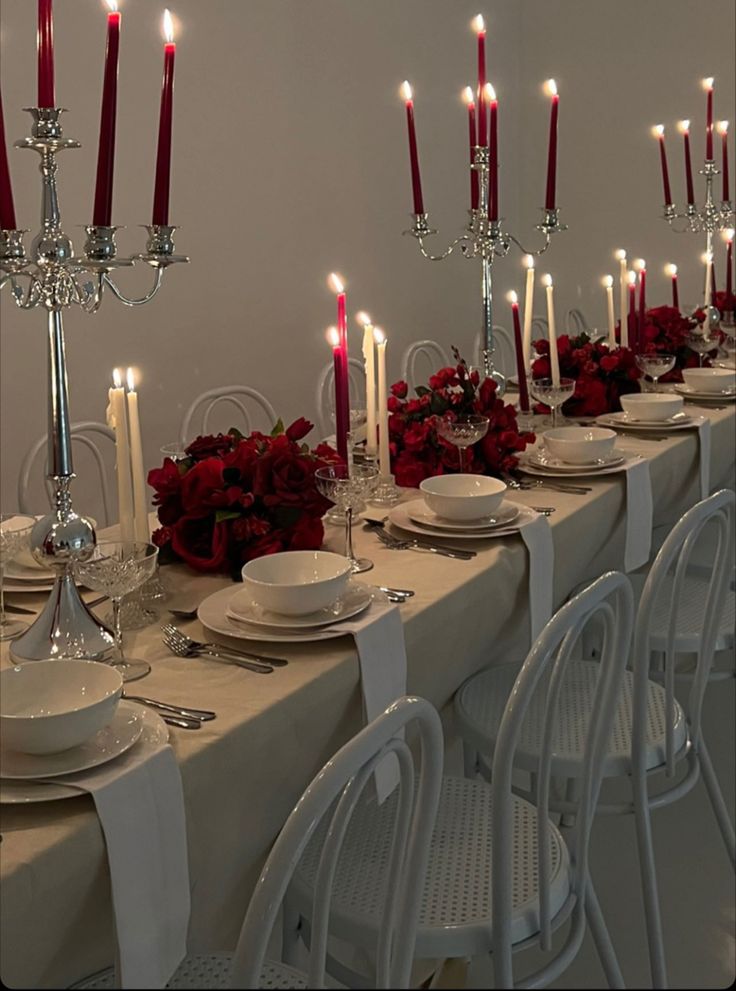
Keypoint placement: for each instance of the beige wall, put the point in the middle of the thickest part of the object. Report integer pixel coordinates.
(290, 160)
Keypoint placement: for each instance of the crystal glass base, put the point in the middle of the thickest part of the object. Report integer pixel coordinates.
(132, 670)
(12, 628)
(386, 492)
(361, 564)
(135, 614)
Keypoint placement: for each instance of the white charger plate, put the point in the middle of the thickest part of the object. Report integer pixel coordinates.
(399, 516)
(358, 596)
(111, 741)
(622, 421)
(420, 514)
(25, 573)
(689, 393)
(26, 587)
(542, 458)
(529, 469)
(155, 733)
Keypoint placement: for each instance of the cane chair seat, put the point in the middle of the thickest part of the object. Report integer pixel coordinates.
(690, 614)
(211, 970)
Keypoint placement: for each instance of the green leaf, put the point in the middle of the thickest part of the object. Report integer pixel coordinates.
(422, 390)
(227, 514)
(438, 405)
(237, 434)
(278, 428)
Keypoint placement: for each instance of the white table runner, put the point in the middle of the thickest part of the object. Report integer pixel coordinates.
(537, 537)
(639, 514)
(704, 449)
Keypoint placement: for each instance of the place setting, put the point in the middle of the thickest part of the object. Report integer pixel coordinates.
(707, 385)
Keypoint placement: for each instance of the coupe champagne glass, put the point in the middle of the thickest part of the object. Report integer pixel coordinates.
(116, 568)
(462, 431)
(655, 365)
(15, 533)
(545, 391)
(348, 488)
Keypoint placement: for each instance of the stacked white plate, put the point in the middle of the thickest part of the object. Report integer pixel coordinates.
(416, 518)
(21, 577)
(541, 462)
(689, 393)
(681, 421)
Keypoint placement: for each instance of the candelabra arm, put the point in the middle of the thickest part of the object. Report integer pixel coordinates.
(157, 282)
(463, 239)
(27, 300)
(527, 251)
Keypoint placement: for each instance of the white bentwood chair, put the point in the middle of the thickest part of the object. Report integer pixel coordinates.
(329, 803)
(500, 877)
(504, 356)
(654, 734)
(237, 396)
(325, 393)
(575, 322)
(432, 356)
(86, 436)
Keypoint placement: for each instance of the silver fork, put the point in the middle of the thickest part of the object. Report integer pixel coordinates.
(178, 645)
(398, 544)
(249, 655)
(543, 483)
(175, 710)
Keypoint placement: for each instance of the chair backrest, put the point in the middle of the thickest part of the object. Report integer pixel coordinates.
(575, 322)
(609, 601)
(504, 355)
(325, 395)
(84, 437)
(198, 417)
(334, 793)
(664, 592)
(432, 357)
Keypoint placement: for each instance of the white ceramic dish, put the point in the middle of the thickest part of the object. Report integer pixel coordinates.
(24, 588)
(687, 393)
(461, 498)
(419, 514)
(399, 517)
(20, 571)
(540, 458)
(296, 583)
(580, 445)
(651, 406)
(155, 733)
(50, 706)
(530, 469)
(710, 379)
(622, 421)
(110, 742)
(358, 596)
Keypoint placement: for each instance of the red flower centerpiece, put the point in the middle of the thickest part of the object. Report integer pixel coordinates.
(234, 498)
(666, 331)
(417, 452)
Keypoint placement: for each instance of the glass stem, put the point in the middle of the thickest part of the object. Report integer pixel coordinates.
(117, 632)
(461, 459)
(349, 534)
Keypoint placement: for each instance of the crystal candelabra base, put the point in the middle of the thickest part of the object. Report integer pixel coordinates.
(386, 492)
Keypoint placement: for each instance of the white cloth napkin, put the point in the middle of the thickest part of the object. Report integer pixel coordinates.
(704, 444)
(638, 514)
(537, 536)
(140, 804)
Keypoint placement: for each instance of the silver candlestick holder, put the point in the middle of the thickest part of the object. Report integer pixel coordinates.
(53, 278)
(486, 240)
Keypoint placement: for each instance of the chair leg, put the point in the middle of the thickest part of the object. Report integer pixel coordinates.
(650, 892)
(716, 800)
(290, 927)
(601, 938)
(572, 794)
(470, 761)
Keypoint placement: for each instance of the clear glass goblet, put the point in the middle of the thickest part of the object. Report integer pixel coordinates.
(462, 431)
(175, 450)
(116, 568)
(15, 534)
(546, 392)
(701, 341)
(348, 489)
(655, 365)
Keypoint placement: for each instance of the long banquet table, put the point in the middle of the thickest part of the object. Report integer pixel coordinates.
(243, 772)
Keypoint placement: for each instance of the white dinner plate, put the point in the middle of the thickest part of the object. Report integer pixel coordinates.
(530, 469)
(155, 732)
(542, 458)
(399, 516)
(420, 514)
(689, 393)
(26, 587)
(213, 614)
(622, 421)
(20, 572)
(108, 743)
(358, 596)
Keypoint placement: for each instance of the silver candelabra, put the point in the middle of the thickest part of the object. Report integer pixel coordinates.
(54, 278)
(485, 239)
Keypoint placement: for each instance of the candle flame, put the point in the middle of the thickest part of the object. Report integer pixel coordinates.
(468, 96)
(727, 235)
(363, 318)
(631, 276)
(620, 255)
(479, 25)
(658, 130)
(547, 281)
(489, 92)
(707, 257)
(529, 261)
(112, 5)
(131, 380)
(407, 93)
(168, 26)
(608, 281)
(640, 265)
(512, 298)
(683, 126)
(708, 82)
(117, 378)
(670, 270)
(378, 336)
(333, 338)
(550, 87)
(722, 127)
(335, 283)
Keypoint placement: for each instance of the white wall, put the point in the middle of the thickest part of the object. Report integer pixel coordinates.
(290, 161)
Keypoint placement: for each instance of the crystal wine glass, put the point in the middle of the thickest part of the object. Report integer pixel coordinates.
(545, 391)
(15, 532)
(175, 450)
(116, 568)
(463, 432)
(655, 365)
(348, 489)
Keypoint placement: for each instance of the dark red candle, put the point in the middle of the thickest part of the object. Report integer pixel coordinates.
(549, 200)
(480, 29)
(102, 213)
(708, 85)
(7, 208)
(520, 369)
(631, 320)
(474, 187)
(713, 289)
(684, 126)
(729, 264)
(339, 366)
(493, 155)
(642, 299)
(342, 390)
(45, 43)
(416, 179)
(163, 156)
(659, 134)
(671, 270)
(723, 131)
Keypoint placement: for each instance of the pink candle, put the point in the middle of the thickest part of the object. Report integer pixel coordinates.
(480, 29)
(493, 156)
(7, 207)
(45, 44)
(684, 126)
(708, 86)
(723, 131)
(549, 200)
(520, 369)
(671, 270)
(163, 155)
(342, 391)
(474, 188)
(102, 214)
(416, 179)
(659, 134)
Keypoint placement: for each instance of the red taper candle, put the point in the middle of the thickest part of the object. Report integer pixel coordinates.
(7, 207)
(708, 86)
(713, 289)
(474, 187)
(342, 392)
(416, 179)
(480, 28)
(642, 270)
(723, 131)
(729, 264)
(520, 369)
(684, 127)
(631, 319)
(549, 200)
(493, 156)
(163, 155)
(658, 131)
(102, 213)
(339, 361)
(45, 44)
(671, 270)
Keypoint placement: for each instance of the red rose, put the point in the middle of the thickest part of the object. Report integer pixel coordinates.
(307, 535)
(201, 543)
(400, 390)
(209, 446)
(299, 429)
(202, 487)
(410, 471)
(272, 543)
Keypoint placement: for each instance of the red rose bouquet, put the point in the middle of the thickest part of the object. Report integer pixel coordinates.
(666, 331)
(234, 498)
(417, 452)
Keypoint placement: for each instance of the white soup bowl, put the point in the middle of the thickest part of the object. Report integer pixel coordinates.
(709, 379)
(580, 445)
(651, 405)
(295, 583)
(463, 497)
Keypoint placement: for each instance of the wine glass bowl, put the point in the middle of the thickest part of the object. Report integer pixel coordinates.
(702, 342)
(462, 431)
(553, 395)
(655, 366)
(348, 488)
(15, 535)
